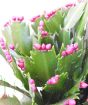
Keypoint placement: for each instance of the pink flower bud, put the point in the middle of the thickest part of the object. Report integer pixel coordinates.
(49, 82)
(57, 77)
(6, 52)
(69, 51)
(64, 53)
(41, 28)
(34, 88)
(43, 47)
(14, 18)
(37, 46)
(31, 81)
(70, 102)
(70, 5)
(46, 16)
(48, 47)
(3, 46)
(20, 19)
(9, 58)
(11, 46)
(2, 43)
(53, 80)
(41, 23)
(1, 40)
(53, 12)
(34, 18)
(44, 33)
(6, 24)
(83, 85)
(20, 64)
(76, 46)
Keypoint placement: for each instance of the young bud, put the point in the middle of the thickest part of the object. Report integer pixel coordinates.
(83, 85)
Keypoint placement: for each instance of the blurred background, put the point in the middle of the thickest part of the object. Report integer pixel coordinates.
(28, 9)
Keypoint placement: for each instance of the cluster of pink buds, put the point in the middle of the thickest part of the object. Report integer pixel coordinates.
(11, 46)
(70, 5)
(41, 29)
(8, 56)
(70, 102)
(35, 18)
(6, 24)
(21, 64)
(70, 49)
(83, 85)
(6, 52)
(51, 14)
(32, 85)
(2, 44)
(18, 19)
(53, 80)
(43, 47)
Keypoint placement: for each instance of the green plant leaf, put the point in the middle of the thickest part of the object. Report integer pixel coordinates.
(54, 23)
(73, 16)
(19, 35)
(41, 66)
(60, 86)
(82, 23)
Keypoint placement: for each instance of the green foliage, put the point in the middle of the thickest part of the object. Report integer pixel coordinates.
(41, 66)
(65, 27)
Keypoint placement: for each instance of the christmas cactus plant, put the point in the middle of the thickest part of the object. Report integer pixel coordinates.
(49, 56)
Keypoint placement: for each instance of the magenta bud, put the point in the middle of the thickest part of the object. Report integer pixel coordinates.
(70, 102)
(41, 28)
(64, 53)
(76, 45)
(48, 46)
(44, 33)
(21, 64)
(11, 46)
(53, 12)
(34, 18)
(41, 23)
(31, 81)
(2, 43)
(43, 47)
(6, 52)
(3, 47)
(14, 18)
(20, 19)
(37, 46)
(46, 16)
(9, 58)
(83, 85)
(57, 77)
(53, 80)
(34, 88)
(6, 24)
(69, 51)
(1, 40)
(70, 5)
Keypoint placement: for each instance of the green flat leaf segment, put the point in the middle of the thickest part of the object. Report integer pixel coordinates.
(73, 16)
(60, 86)
(21, 37)
(71, 64)
(42, 65)
(54, 23)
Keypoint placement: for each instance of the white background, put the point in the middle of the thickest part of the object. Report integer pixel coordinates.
(26, 8)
